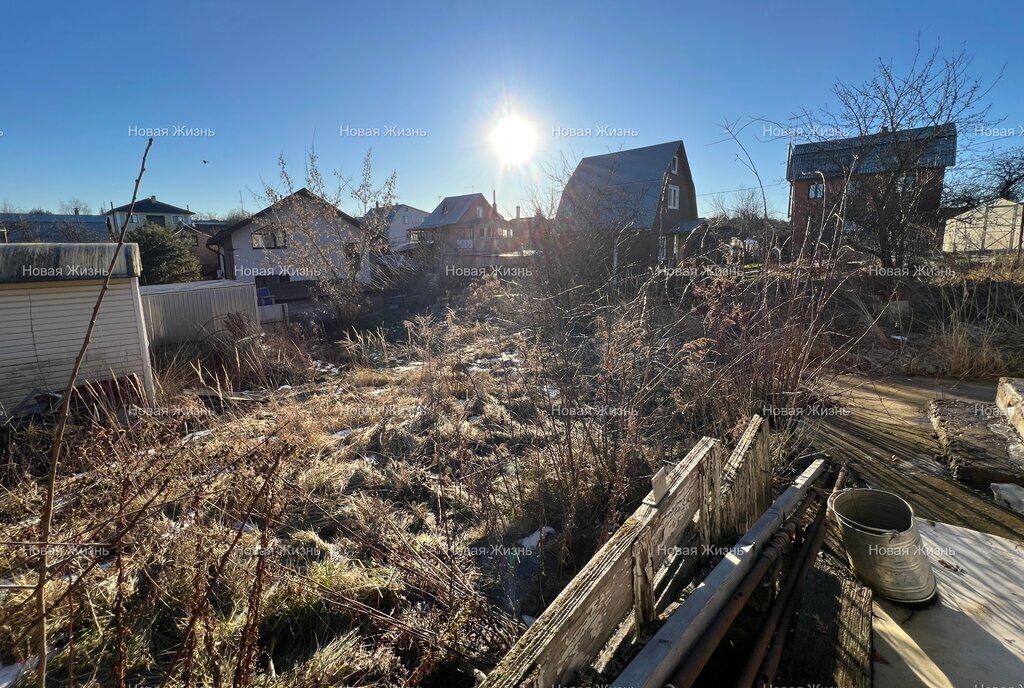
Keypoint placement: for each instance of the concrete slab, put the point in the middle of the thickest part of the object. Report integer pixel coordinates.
(980, 446)
(974, 634)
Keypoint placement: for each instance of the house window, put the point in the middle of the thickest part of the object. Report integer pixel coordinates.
(195, 239)
(135, 218)
(816, 190)
(479, 213)
(486, 233)
(269, 239)
(444, 208)
(673, 197)
(405, 219)
(504, 233)
(177, 219)
(675, 164)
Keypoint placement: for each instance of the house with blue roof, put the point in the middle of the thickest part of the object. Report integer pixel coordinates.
(50, 228)
(846, 176)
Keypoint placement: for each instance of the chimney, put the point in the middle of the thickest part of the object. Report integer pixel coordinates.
(152, 198)
(517, 212)
(494, 203)
(76, 211)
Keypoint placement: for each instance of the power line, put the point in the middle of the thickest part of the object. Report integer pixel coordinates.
(747, 188)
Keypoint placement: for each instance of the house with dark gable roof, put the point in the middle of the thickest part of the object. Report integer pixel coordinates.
(825, 174)
(149, 210)
(644, 194)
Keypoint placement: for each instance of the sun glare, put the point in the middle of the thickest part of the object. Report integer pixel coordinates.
(514, 139)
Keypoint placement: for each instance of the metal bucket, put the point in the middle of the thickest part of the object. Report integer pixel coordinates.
(883, 544)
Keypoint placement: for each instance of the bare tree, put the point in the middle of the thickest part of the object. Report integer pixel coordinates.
(994, 174)
(339, 256)
(75, 206)
(889, 178)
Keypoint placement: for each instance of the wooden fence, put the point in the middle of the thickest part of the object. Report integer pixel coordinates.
(717, 496)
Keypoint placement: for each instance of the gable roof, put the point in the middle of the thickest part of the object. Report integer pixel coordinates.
(928, 148)
(623, 187)
(151, 205)
(392, 211)
(305, 193)
(31, 227)
(456, 207)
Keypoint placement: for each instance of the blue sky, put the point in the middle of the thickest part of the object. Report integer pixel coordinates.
(274, 77)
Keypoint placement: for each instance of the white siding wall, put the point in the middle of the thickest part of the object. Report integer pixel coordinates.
(43, 325)
(994, 226)
(194, 314)
(253, 262)
(398, 231)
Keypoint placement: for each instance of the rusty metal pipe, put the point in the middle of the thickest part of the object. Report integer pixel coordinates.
(765, 654)
(688, 672)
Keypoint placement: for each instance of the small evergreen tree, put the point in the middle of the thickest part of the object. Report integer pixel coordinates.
(166, 257)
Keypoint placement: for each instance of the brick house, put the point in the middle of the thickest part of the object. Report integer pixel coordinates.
(859, 173)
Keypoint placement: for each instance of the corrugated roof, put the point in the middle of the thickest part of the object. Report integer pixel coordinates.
(29, 227)
(151, 205)
(195, 286)
(621, 188)
(925, 147)
(450, 210)
(62, 262)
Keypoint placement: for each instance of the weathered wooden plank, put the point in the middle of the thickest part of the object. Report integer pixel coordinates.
(654, 665)
(643, 583)
(709, 477)
(746, 480)
(893, 456)
(577, 624)
(831, 643)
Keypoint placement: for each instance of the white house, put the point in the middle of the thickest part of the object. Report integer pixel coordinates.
(47, 295)
(994, 226)
(296, 239)
(400, 218)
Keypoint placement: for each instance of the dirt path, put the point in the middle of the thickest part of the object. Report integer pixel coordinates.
(889, 443)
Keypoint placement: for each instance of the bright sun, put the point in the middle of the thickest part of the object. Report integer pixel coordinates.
(513, 138)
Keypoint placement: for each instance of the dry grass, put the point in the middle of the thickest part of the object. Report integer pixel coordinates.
(334, 528)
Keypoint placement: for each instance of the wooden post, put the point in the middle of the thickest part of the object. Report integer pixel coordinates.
(709, 476)
(643, 583)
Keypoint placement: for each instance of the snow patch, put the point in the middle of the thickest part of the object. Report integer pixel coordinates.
(12, 672)
(533, 539)
(195, 435)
